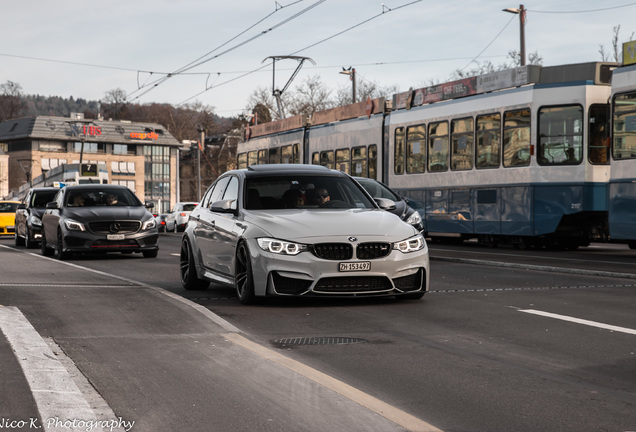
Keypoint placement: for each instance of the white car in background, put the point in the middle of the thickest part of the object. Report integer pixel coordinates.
(181, 214)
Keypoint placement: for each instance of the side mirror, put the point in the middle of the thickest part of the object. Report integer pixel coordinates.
(385, 204)
(150, 204)
(225, 206)
(52, 205)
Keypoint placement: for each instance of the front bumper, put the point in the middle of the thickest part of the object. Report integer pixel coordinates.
(307, 275)
(78, 241)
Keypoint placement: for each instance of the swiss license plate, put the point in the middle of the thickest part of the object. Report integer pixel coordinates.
(355, 266)
(115, 236)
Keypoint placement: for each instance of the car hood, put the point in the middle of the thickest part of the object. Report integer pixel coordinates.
(307, 225)
(107, 213)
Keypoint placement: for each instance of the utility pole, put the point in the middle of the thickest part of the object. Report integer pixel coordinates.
(352, 76)
(522, 33)
(201, 147)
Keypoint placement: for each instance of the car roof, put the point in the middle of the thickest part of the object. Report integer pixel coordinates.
(95, 186)
(44, 189)
(288, 169)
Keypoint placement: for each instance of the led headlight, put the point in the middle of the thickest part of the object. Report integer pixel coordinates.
(414, 219)
(149, 224)
(280, 246)
(410, 245)
(74, 225)
(36, 221)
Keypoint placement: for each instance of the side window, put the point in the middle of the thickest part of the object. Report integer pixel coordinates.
(262, 157)
(274, 155)
(217, 193)
(359, 161)
(560, 135)
(326, 159)
(296, 153)
(438, 146)
(598, 135)
(373, 161)
(231, 192)
(241, 161)
(252, 158)
(343, 160)
(487, 153)
(315, 158)
(416, 149)
(624, 135)
(398, 168)
(462, 137)
(286, 154)
(516, 138)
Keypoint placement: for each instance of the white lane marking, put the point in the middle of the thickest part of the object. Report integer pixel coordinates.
(396, 415)
(56, 394)
(580, 321)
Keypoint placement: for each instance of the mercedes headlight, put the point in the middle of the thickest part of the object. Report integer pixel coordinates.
(74, 225)
(149, 224)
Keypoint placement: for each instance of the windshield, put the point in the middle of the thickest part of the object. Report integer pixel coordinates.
(308, 192)
(101, 197)
(40, 199)
(8, 207)
(378, 190)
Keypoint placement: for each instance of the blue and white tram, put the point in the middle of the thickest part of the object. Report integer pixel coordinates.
(524, 165)
(349, 139)
(622, 186)
(273, 143)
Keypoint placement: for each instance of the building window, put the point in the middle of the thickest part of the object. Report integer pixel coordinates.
(89, 147)
(52, 146)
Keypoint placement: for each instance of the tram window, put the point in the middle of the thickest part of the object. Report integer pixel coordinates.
(263, 157)
(462, 138)
(398, 167)
(286, 154)
(516, 138)
(252, 158)
(343, 160)
(241, 161)
(295, 153)
(488, 141)
(315, 158)
(598, 138)
(624, 144)
(416, 149)
(438, 146)
(359, 161)
(274, 155)
(373, 161)
(326, 159)
(560, 135)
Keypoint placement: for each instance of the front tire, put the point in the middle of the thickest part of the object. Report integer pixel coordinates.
(28, 239)
(46, 251)
(189, 278)
(19, 241)
(244, 279)
(61, 255)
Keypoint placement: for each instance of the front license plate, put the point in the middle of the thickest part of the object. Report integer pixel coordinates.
(355, 266)
(115, 236)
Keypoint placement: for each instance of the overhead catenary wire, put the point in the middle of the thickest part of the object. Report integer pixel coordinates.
(305, 48)
(199, 62)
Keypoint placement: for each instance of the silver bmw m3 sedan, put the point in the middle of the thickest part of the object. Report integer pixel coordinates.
(300, 230)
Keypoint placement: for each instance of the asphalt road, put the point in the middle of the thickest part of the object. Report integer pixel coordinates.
(545, 341)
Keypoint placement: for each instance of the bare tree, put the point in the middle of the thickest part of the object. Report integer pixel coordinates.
(115, 104)
(12, 104)
(311, 96)
(616, 47)
(263, 97)
(364, 89)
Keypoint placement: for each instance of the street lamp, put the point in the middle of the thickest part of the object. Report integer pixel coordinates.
(352, 76)
(522, 24)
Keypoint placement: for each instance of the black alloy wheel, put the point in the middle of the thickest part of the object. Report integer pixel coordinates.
(46, 251)
(244, 279)
(189, 278)
(61, 255)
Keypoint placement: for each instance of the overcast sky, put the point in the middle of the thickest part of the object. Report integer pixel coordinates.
(84, 49)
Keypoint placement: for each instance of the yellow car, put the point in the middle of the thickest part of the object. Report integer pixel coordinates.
(7, 217)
